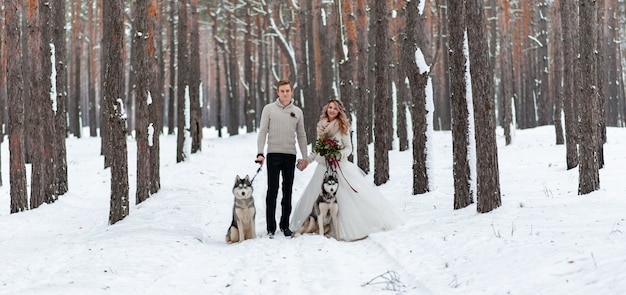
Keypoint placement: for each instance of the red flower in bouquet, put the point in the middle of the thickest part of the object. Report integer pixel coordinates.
(328, 148)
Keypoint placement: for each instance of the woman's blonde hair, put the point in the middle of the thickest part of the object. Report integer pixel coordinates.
(344, 124)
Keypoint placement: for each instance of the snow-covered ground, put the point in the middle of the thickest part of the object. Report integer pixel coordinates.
(545, 239)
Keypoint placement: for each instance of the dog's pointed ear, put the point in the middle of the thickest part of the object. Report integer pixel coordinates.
(247, 178)
(237, 179)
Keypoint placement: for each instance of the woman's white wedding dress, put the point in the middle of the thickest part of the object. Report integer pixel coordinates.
(362, 211)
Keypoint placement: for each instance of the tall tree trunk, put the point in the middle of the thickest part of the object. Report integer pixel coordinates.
(459, 103)
(3, 84)
(114, 32)
(382, 100)
(75, 126)
(601, 80)
(28, 117)
(362, 110)
(556, 84)
(129, 102)
(93, 126)
(105, 136)
(140, 61)
(194, 81)
(415, 46)
(249, 98)
(60, 114)
(441, 76)
(171, 114)
(42, 174)
(232, 79)
(3, 81)
(17, 168)
(183, 83)
(506, 69)
(156, 65)
(218, 74)
(488, 175)
(544, 101)
(571, 125)
(588, 175)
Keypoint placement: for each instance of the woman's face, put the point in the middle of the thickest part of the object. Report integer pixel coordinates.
(332, 111)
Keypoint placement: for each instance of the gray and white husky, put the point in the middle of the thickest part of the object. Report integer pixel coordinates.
(242, 226)
(324, 212)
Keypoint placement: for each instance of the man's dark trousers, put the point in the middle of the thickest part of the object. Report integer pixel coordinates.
(278, 163)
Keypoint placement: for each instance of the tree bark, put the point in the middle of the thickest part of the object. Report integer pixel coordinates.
(195, 111)
(556, 72)
(156, 66)
(459, 104)
(182, 122)
(114, 31)
(488, 175)
(506, 69)
(382, 99)
(17, 168)
(418, 79)
(75, 125)
(171, 107)
(569, 106)
(362, 110)
(140, 60)
(588, 175)
(42, 175)
(60, 114)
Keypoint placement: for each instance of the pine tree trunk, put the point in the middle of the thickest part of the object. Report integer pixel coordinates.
(418, 79)
(113, 90)
(156, 66)
(488, 175)
(75, 125)
(194, 81)
(588, 175)
(249, 95)
(362, 109)
(232, 78)
(91, 71)
(556, 82)
(382, 99)
(459, 104)
(17, 168)
(569, 107)
(40, 98)
(142, 88)
(183, 81)
(171, 107)
(506, 66)
(60, 115)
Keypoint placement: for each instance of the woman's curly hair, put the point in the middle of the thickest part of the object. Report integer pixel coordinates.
(344, 124)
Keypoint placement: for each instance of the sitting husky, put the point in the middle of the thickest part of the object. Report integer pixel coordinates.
(324, 212)
(242, 226)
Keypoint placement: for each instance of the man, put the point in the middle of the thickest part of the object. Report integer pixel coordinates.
(282, 123)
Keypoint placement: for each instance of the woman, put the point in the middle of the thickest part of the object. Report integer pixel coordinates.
(362, 208)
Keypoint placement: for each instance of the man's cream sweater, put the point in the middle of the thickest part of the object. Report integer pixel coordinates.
(281, 126)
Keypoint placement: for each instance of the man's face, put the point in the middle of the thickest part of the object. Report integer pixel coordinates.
(284, 93)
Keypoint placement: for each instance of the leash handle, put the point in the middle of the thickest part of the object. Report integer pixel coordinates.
(257, 171)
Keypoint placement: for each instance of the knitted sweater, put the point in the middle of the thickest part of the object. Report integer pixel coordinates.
(281, 126)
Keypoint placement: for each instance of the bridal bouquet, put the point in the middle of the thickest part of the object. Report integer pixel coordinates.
(328, 148)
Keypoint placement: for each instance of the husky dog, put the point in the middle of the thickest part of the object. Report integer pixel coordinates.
(324, 213)
(242, 226)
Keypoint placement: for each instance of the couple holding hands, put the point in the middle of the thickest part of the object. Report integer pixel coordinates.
(362, 208)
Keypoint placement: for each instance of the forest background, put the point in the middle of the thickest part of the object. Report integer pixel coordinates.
(137, 68)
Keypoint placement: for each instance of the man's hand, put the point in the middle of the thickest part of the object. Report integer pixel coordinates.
(301, 164)
(259, 159)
